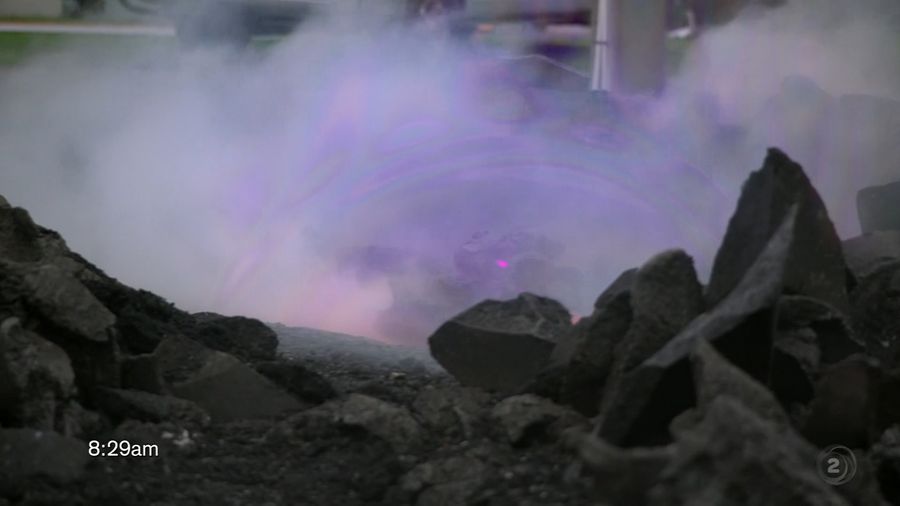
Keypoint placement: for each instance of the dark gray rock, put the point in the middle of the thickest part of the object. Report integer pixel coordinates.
(643, 404)
(451, 410)
(734, 457)
(845, 407)
(147, 407)
(526, 417)
(581, 362)
(816, 264)
(444, 482)
(27, 455)
(389, 422)
(304, 383)
(36, 378)
(886, 459)
(621, 476)
(715, 376)
(879, 208)
(500, 345)
(809, 335)
(866, 252)
(142, 372)
(875, 304)
(245, 338)
(19, 236)
(225, 387)
(665, 297)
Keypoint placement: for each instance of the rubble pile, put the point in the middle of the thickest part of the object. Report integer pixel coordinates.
(670, 393)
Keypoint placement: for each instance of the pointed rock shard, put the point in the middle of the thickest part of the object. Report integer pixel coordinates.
(500, 345)
(641, 407)
(816, 265)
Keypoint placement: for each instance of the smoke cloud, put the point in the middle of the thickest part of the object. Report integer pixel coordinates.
(375, 181)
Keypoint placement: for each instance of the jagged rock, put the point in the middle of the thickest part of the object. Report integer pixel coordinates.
(582, 359)
(665, 297)
(301, 381)
(225, 387)
(875, 304)
(834, 336)
(866, 252)
(60, 309)
(36, 378)
(641, 407)
(19, 236)
(816, 264)
(28, 454)
(245, 338)
(734, 457)
(878, 208)
(449, 481)
(147, 407)
(500, 345)
(526, 417)
(387, 421)
(715, 377)
(845, 408)
(452, 410)
(142, 372)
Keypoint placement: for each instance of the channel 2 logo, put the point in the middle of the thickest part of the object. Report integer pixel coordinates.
(837, 465)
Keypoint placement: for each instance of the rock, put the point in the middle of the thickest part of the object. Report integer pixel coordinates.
(245, 338)
(815, 267)
(304, 383)
(28, 454)
(641, 407)
(622, 476)
(526, 417)
(734, 457)
(889, 393)
(878, 208)
(387, 421)
(809, 334)
(141, 372)
(665, 297)
(222, 385)
(451, 410)
(444, 482)
(36, 378)
(60, 309)
(147, 407)
(19, 236)
(875, 304)
(866, 252)
(715, 377)
(886, 458)
(845, 408)
(500, 345)
(582, 359)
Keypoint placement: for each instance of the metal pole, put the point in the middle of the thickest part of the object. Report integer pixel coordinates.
(601, 66)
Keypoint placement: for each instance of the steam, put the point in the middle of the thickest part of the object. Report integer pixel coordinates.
(375, 181)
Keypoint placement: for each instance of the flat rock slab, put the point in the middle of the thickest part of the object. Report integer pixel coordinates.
(500, 345)
(27, 454)
(225, 387)
(816, 265)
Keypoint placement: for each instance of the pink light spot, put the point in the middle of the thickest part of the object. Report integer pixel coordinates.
(503, 264)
